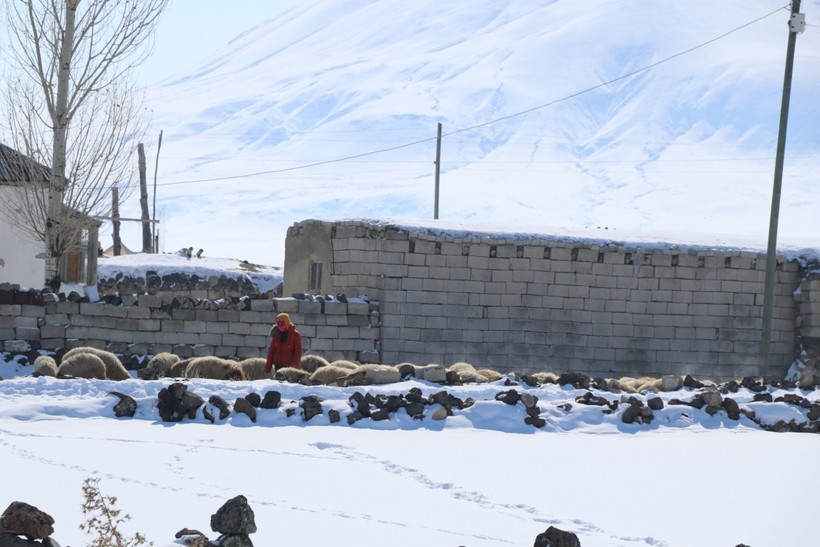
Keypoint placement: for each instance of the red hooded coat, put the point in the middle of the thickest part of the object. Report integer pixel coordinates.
(287, 353)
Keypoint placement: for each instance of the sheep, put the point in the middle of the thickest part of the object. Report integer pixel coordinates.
(432, 373)
(467, 373)
(489, 374)
(254, 369)
(637, 385)
(214, 368)
(82, 365)
(177, 370)
(311, 362)
(292, 375)
(45, 365)
(159, 366)
(344, 363)
(114, 369)
(328, 375)
(371, 374)
(545, 378)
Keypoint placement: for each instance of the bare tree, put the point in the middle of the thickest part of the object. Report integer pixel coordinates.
(73, 107)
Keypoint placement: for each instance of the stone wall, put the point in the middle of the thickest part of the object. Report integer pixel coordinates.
(527, 303)
(152, 324)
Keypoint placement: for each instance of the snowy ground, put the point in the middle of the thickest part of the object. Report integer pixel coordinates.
(480, 478)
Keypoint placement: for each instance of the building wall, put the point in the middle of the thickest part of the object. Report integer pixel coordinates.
(21, 259)
(558, 304)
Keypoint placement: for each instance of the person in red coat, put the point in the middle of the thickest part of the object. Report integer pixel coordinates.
(285, 345)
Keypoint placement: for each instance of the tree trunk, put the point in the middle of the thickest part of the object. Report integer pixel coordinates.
(59, 117)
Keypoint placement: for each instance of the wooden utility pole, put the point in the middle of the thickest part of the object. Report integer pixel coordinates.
(438, 170)
(146, 225)
(796, 26)
(154, 238)
(115, 213)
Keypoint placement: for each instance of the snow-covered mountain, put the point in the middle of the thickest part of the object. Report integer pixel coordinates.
(634, 115)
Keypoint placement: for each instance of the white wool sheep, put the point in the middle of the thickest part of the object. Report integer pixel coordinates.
(489, 374)
(311, 362)
(158, 366)
(432, 373)
(82, 365)
(292, 375)
(45, 365)
(545, 377)
(177, 370)
(373, 374)
(329, 375)
(114, 369)
(254, 369)
(214, 368)
(344, 363)
(467, 373)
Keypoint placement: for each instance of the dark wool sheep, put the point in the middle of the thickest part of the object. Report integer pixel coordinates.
(114, 369)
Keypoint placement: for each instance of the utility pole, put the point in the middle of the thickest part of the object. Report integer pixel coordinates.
(146, 227)
(438, 169)
(154, 239)
(797, 24)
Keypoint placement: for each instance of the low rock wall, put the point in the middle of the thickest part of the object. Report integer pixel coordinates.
(152, 323)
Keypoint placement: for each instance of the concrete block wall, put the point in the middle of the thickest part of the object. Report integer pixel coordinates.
(556, 304)
(335, 329)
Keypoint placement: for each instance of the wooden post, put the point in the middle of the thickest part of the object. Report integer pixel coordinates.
(154, 235)
(146, 225)
(438, 170)
(115, 214)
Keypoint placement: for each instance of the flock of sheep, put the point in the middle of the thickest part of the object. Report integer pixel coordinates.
(88, 362)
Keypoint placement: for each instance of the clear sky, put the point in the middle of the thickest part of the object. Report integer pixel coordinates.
(190, 30)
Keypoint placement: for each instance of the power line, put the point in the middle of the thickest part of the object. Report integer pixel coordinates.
(485, 124)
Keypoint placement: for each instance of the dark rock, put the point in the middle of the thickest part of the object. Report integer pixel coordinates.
(414, 409)
(360, 403)
(690, 382)
(575, 379)
(311, 406)
(441, 397)
(220, 404)
(553, 537)
(415, 396)
(529, 400)
(407, 371)
(243, 406)
(655, 403)
(589, 399)
(234, 540)
(126, 407)
(814, 412)
(536, 421)
(254, 399)
(234, 517)
(193, 538)
(452, 378)
(175, 403)
(732, 408)
(333, 415)
(765, 397)
(631, 414)
(23, 519)
(529, 380)
(271, 399)
(510, 397)
(379, 414)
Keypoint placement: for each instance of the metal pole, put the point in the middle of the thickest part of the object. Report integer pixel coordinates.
(771, 252)
(438, 169)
